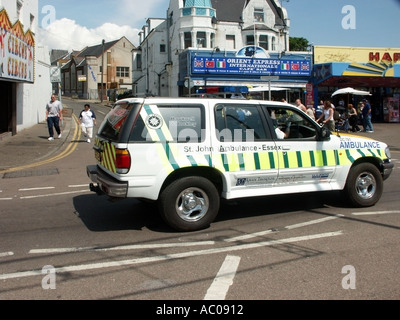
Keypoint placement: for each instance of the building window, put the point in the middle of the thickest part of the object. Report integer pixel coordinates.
(201, 39)
(212, 40)
(139, 62)
(201, 11)
(263, 41)
(250, 40)
(32, 21)
(273, 44)
(186, 12)
(188, 39)
(163, 48)
(123, 72)
(259, 15)
(19, 9)
(230, 42)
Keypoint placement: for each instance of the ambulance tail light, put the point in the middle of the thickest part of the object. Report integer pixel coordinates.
(123, 161)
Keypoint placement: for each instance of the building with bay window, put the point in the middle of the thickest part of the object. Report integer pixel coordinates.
(219, 47)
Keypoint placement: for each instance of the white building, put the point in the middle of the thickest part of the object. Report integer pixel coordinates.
(25, 86)
(217, 31)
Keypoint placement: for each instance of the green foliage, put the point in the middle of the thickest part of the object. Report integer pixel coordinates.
(298, 44)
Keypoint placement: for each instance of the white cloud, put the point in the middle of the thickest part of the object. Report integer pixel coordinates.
(66, 34)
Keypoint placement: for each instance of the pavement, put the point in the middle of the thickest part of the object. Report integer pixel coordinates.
(30, 147)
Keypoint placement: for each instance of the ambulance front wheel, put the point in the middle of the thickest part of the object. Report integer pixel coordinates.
(364, 185)
(189, 204)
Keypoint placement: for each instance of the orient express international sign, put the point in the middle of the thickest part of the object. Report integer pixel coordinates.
(250, 66)
(16, 51)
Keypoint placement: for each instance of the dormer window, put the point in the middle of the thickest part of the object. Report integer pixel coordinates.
(258, 15)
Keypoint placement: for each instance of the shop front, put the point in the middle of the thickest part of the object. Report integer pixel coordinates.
(244, 75)
(376, 70)
(16, 67)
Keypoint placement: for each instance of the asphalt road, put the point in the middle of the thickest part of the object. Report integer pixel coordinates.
(59, 241)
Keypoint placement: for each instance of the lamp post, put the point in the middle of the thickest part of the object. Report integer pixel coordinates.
(102, 71)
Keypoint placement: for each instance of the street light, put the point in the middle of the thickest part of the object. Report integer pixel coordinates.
(102, 71)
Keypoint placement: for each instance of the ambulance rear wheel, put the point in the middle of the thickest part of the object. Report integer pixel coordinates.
(189, 204)
(364, 185)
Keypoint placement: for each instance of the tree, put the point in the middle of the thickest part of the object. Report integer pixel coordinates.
(298, 44)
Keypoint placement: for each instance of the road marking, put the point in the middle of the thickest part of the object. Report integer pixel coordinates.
(6, 199)
(68, 151)
(127, 247)
(6, 254)
(374, 212)
(79, 185)
(224, 279)
(55, 194)
(35, 189)
(120, 263)
(294, 226)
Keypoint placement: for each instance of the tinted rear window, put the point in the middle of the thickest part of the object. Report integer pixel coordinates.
(114, 121)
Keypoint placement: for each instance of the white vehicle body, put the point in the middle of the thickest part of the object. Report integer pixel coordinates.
(233, 145)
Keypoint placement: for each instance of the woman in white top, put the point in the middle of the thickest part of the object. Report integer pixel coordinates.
(326, 117)
(87, 119)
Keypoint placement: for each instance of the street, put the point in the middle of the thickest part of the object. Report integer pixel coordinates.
(59, 241)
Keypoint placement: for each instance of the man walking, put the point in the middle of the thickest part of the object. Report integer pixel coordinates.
(366, 113)
(53, 117)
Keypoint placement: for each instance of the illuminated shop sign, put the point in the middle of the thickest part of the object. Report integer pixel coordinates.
(16, 51)
(250, 66)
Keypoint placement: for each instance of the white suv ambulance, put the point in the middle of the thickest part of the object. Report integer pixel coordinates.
(188, 153)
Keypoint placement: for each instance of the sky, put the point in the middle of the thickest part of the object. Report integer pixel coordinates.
(73, 25)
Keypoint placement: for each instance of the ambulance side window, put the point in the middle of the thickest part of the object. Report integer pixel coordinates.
(292, 121)
(239, 123)
(177, 123)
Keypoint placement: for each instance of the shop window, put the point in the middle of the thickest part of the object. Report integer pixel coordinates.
(263, 42)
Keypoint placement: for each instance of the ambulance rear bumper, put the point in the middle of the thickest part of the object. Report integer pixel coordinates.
(103, 183)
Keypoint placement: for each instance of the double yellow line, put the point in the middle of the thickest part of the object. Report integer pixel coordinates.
(65, 153)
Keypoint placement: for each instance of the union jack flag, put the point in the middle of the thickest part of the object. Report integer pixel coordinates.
(198, 64)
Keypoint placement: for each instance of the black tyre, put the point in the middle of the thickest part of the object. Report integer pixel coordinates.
(364, 185)
(189, 204)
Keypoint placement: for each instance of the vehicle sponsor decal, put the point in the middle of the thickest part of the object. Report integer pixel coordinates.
(159, 132)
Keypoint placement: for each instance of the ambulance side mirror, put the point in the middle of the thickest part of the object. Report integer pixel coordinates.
(325, 134)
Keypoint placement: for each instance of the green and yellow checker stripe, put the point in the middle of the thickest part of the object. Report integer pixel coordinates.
(107, 155)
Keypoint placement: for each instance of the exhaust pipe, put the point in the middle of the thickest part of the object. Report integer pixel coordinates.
(96, 189)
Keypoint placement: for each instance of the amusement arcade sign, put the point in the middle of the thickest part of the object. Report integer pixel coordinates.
(16, 51)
